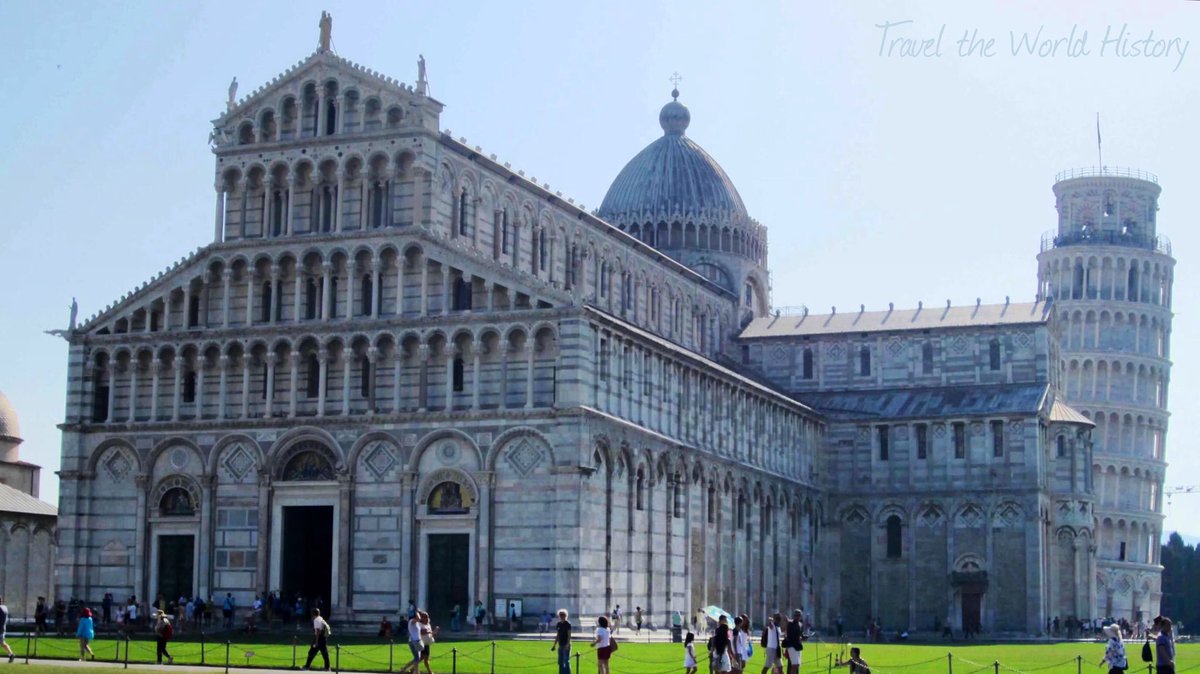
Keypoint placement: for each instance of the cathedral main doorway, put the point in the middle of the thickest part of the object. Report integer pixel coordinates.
(972, 603)
(176, 554)
(307, 563)
(448, 576)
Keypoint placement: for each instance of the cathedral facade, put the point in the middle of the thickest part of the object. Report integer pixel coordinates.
(403, 371)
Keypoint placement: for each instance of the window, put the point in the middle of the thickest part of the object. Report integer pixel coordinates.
(368, 294)
(749, 294)
(745, 354)
(189, 386)
(377, 192)
(807, 366)
(326, 209)
(893, 537)
(960, 440)
(647, 380)
(1061, 443)
(463, 222)
(365, 375)
(922, 441)
(927, 358)
(267, 296)
(741, 511)
(997, 438)
(461, 297)
(864, 361)
(263, 380)
(543, 251)
(627, 369)
(504, 231)
(100, 399)
(678, 494)
(1121, 552)
(882, 431)
(193, 318)
(277, 206)
(458, 375)
(333, 295)
(640, 502)
(310, 299)
(994, 355)
(603, 360)
(313, 381)
(602, 282)
(712, 505)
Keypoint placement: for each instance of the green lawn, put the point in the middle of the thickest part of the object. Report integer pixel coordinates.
(534, 657)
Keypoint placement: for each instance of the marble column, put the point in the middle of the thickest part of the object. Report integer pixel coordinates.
(156, 367)
(397, 365)
(222, 387)
(245, 413)
(294, 363)
(133, 387)
(323, 362)
(227, 277)
(269, 406)
(476, 385)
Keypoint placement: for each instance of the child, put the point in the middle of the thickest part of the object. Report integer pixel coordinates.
(86, 632)
(689, 649)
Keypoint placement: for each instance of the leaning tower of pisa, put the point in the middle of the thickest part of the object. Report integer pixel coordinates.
(1110, 273)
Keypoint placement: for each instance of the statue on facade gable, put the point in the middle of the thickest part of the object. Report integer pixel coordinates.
(422, 83)
(326, 26)
(74, 314)
(232, 95)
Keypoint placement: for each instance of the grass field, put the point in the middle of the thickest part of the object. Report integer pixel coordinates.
(534, 657)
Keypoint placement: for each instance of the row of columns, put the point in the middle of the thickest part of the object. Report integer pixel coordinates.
(1069, 280)
(527, 357)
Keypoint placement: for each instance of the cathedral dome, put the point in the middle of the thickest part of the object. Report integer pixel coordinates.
(672, 174)
(9, 426)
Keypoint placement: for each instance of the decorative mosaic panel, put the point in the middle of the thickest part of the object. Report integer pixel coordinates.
(238, 462)
(379, 459)
(524, 456)
(118, 465)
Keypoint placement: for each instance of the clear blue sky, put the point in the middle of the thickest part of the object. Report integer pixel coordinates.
(881, 178)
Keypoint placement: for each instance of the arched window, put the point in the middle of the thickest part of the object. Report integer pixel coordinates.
(1131, 292)
(189, 386)
(741, 511)
(277, 206)
(640, 495)
(927, 358)
(100, 396)
(464, 227)
(893, 537)
(327, 201)
(365, 375)
(457, 376)
(368, 294)
(333, 295)
(712, 504)
(309, 465)
(330, 117)
(543, 251)
(267, 296)
(378, 189)
(1061, 446)
(864, 361)
(994, 355)
(311, 299)
(313, 379)
(504, 232)
(807, 366)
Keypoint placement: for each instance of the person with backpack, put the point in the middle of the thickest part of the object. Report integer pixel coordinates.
(320, 642)
(1114, 650)
(770, 644)
(163, 633)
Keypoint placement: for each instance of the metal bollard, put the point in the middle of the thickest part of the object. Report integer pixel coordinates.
(126, 651)
(577, 662)
(27, 647)
(830, 667)
(996, 666)
(202, 647)
(293, 652)
(949, 663)
(391, 645)
(1078, 664)
(227, 656)
(337, 658)
(493, 670)
(454, 661)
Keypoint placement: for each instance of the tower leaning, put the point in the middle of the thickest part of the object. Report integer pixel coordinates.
(1110, 275)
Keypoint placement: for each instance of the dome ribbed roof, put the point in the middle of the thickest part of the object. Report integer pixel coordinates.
(9, 425)
(672, 174)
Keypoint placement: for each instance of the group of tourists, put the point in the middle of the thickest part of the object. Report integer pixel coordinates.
(1159, 647)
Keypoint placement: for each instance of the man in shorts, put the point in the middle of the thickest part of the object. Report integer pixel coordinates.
(772, 639)
(793, 641)
(4, 630)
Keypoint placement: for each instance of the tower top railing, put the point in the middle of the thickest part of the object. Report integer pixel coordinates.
(1158, 244)
(1106, 172)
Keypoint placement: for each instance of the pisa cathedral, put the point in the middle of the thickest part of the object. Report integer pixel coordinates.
(404, 371)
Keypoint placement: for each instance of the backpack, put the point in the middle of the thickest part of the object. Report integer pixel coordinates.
(1147, 654)
(612, 645)
(168, 631)
(763, 641)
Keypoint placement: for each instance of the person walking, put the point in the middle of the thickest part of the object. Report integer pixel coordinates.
(480, 615)
(86, 631)
(771, 639)
(1114, 651)
(722, 647)
(429, 634)
(227, 610)
(455, 612)
(106, 607)
(4, 631)
(414, 642)
(637, 621)
(163, 633)
(562, 642)
(320, 643)
(602, 642)
(1164, 648)
(39, 616)
(689, 654)
(616, 619)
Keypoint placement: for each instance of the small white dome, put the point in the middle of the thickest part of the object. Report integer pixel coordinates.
(10, 427)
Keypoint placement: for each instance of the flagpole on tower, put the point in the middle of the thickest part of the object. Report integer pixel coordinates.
(1099, 152)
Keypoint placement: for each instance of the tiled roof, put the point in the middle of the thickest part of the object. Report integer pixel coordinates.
(926, 403)
(16, 501)
(921, 318)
